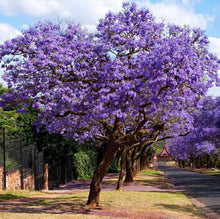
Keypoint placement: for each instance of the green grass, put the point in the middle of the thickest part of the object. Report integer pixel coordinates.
(121, 204)
(211, 172)
(152, 172)
(112, 204)
(6, 195)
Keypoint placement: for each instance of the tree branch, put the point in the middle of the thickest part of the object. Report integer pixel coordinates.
(70, 113)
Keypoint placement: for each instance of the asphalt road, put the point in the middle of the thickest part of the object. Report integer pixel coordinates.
(203, 188)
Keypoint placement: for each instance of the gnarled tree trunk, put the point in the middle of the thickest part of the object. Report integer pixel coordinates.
(136, 166)
(129, 168)
(122, 170)
(99, 173)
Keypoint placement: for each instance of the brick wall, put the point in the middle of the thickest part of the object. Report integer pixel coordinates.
(28, 181)
(13, 180)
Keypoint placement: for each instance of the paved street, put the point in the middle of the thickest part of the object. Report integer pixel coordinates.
(204, 188)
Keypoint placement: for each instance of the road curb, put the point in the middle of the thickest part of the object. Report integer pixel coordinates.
(207, 212)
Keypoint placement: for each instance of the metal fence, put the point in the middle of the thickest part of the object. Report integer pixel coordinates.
(14, 156)
(60, 171)
(25, 158)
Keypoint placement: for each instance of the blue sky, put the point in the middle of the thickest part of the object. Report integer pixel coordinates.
(211, 7)
(18, 14)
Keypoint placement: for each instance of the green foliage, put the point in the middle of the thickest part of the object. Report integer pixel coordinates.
(10, 163)
(114, 167)
(7, 117)
(3, 89)
(218, 164)
(58, 148)
(8, 120)
(85, 163)
(24, 124)
(157, 146)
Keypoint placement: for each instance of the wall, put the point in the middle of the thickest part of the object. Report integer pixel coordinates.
(13, 180)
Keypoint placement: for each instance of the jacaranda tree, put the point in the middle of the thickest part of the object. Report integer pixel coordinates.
(126, 84)
(204, 140)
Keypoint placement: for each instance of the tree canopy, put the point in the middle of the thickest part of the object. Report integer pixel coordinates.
(204, 139)
(127, 83)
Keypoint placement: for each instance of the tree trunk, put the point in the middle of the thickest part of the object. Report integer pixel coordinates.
(122, 170)
(129, 170)
(136, 166)
(207, 161)
(99, 173)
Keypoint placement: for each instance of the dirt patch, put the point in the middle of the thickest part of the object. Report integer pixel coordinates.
(110, 182)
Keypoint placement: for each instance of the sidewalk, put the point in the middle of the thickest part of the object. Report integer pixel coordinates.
(84, 186)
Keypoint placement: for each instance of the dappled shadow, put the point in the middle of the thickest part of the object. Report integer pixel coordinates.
(109, 183)
(179, 208)
(158, 182)
(58, 205)
(6, 196)
(76, 184)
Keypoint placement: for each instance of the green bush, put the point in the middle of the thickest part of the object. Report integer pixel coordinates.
(10, 163)
(85, 163)
(218, 164)
(114, 167)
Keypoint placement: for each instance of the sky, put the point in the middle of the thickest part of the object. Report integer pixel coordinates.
(16, 15)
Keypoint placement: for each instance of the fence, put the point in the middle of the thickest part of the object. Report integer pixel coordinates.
(60, 171)
(21, 167)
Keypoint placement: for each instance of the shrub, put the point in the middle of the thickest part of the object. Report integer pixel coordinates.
(10, 163)
(85, 163)
(114, 167)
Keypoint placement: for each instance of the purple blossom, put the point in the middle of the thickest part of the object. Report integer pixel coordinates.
(132, 67)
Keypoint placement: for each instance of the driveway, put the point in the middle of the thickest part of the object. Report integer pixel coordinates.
(202, 188)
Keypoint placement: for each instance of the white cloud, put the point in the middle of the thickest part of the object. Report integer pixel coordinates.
(7, 32)
(31, 7)
(214, 91)
(86, 12)
(180, 14)
(214, 46)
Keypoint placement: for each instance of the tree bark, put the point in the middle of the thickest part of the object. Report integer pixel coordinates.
(136, 166)
(122, 170)
(99, 173)
(207, 161)
(129, 170)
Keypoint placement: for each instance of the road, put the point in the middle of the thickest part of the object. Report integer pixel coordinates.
(203, 188)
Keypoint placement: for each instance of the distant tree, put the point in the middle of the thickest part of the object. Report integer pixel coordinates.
(204, 140)
(7, 116)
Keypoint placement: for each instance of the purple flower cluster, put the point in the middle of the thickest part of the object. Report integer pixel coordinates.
(131, 67)
(205, 137)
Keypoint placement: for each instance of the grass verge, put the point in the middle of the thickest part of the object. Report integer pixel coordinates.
(209, 172)
(152, 172)
(16, 194)
(122, 204)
